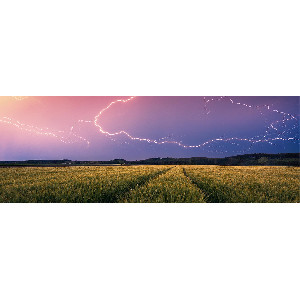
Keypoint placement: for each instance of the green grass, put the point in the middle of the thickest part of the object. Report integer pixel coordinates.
(246, 184)
(150, 184)
(74, 184)
(172, 186)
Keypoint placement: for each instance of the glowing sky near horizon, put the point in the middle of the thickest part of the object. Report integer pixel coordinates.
(100, 128)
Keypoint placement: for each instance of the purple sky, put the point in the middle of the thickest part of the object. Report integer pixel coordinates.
(65, 127)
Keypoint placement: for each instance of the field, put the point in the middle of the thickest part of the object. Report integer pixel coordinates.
(111, 184)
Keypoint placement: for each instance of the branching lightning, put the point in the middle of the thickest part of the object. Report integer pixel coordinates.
(253, 140)
(275, 131)
(19, 98)
(64, 137)
(69, 137)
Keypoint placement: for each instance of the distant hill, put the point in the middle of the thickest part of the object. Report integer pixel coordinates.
(257, 159)
(260, 159)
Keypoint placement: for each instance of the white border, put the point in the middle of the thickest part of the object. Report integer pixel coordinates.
(236, 48)
(138, 48)
(181, 251)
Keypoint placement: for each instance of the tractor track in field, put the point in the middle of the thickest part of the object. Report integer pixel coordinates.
(210, 195)
(119, 199)
(207, 198)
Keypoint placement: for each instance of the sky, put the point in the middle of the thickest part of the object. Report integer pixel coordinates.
(133, 128)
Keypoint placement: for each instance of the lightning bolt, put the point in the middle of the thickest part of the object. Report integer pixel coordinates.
(19, 98)
(257, 139)
(63, 136)
(71, 137)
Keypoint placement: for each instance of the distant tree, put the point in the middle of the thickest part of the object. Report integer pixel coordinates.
(263, 161)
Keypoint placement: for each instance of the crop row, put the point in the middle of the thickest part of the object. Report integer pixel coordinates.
(172, 186)
(150, 184)
(246, 184)
(74, 184)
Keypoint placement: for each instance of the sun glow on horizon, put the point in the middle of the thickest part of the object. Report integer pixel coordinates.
(59, 119)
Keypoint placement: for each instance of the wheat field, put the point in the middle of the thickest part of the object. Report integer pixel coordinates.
(150, 184)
